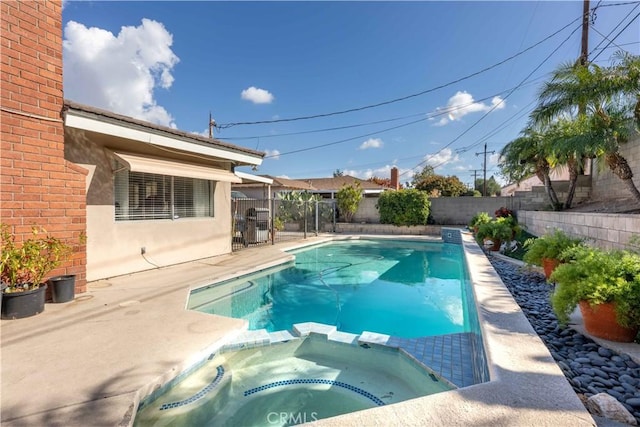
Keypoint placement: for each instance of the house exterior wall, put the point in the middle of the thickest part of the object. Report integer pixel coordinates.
(39, 187)
(115, 246)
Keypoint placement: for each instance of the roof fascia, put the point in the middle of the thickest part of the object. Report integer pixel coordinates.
(81, 121)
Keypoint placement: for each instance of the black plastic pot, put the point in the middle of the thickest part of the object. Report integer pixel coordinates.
(3, 286)
(18, 305)
(63, 288)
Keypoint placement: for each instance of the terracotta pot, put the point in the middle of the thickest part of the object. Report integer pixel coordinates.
(600, 321)
(496, 244)
(548, 265)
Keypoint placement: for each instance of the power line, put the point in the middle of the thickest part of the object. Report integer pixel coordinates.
(404, 98)
(429, 117)
(610, 32)
(618, 35)
(495, 106)
(431, 113)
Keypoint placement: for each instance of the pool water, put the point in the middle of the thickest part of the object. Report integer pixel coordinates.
(289, 383)
(400, 288)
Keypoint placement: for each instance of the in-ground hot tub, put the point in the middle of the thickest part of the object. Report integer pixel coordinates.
(298, 380)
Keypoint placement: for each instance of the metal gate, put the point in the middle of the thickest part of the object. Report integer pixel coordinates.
(261, 221)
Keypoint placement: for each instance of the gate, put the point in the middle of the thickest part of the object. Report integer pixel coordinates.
(257, 222)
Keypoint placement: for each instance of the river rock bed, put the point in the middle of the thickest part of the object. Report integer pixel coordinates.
(589, 367)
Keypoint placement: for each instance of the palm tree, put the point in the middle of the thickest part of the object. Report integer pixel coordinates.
(568, 145)
(527, 155)
(603, 100)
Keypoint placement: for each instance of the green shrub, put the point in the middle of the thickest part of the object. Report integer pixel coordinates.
(495, 230)
(479, 218)
(404, 207)
(349, 197)
(549, 246)
(597, 277)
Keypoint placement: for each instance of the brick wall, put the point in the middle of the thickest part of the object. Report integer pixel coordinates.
(39, 187)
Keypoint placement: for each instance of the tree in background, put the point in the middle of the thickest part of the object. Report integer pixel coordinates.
(385, 182)
(446, 186)
(349, 197)
(493, 187)
(426, 171)
(338, 173)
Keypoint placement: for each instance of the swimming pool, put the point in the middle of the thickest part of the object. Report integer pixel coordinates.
(397, 287)
(303, 379)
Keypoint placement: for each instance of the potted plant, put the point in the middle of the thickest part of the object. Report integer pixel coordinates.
(278, 224)
(546, 251)
(478, 219)
(497, 231)
(606, 286)
(23, 267)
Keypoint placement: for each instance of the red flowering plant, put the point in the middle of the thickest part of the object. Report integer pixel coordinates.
(503, 212)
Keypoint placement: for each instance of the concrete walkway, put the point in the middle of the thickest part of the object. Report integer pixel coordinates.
(88, 362)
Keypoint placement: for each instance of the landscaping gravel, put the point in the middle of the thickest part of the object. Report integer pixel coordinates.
(589, 367)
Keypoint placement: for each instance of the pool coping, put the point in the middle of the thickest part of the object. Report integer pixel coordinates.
(95, 344)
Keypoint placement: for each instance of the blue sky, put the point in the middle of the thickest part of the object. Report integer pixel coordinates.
(172, 63)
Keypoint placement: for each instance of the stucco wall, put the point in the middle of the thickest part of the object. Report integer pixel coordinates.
(606, 185)
(606, 231)
(113, 248)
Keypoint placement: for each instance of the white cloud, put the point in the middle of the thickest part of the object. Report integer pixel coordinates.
(257, 96)
(494, 159)
(283, 176)
(272, 154)
(382, 172)
(442, 157)
(462, 103)
(120, 73)
(371, 143)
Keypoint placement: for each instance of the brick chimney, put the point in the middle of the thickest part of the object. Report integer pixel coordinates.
(394, 178)
(39, 187)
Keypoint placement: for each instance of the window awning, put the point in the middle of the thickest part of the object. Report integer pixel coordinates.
(166, 167)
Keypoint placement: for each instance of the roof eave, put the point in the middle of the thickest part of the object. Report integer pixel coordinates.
(103, 122)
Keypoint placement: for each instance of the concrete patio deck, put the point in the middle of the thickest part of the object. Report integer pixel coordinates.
(90, 361)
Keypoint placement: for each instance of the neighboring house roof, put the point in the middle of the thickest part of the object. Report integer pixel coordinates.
(334, 184)
(95, 119)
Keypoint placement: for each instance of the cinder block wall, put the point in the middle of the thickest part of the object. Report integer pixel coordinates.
(606, 185)
(607, 231)
(39, 187)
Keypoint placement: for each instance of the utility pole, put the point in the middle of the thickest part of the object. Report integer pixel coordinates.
(584, 52)
(484, 167)
(212, 124)
(475, 177)
(584, 61)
